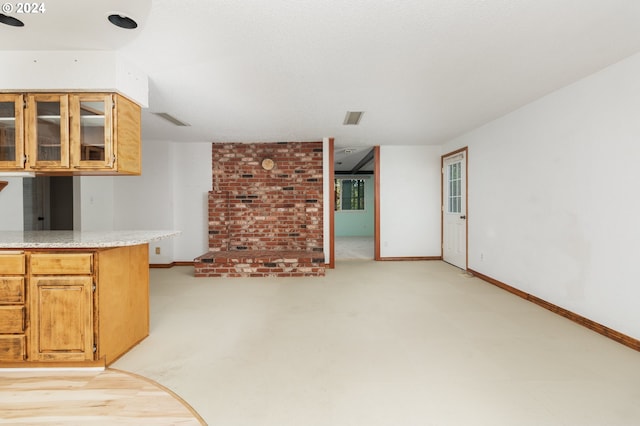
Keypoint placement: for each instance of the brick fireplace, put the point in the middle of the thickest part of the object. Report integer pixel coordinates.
(265, 211)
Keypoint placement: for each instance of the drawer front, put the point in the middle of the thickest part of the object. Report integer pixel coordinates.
(12, 348)
(11, 290)
(61, 263)
(11, 319)
(12, 264)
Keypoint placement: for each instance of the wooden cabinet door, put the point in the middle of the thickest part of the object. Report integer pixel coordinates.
(47, 131)
(127, 136)
(11, 132)
(61, 318)
(91, 134)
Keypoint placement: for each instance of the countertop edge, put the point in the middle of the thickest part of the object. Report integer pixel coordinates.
(80, 240)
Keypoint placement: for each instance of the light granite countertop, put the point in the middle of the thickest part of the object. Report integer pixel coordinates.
(78, 239)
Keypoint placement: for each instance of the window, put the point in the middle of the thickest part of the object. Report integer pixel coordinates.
(349, 194)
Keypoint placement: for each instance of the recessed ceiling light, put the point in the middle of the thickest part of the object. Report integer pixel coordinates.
(352, 118)
(10, 20)
(123, 21)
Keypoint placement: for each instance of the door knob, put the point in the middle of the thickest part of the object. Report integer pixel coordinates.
(463, 217)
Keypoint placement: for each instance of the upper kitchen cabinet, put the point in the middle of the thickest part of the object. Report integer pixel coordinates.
(47, 136)
(127, 147)
(72, 133)
(91, 131)
(11, 132)
(105, 133)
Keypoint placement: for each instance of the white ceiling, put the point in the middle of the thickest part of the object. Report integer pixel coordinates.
(423, 71)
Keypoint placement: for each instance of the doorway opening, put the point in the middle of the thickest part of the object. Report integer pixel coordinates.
(354, 190)
(48, 203)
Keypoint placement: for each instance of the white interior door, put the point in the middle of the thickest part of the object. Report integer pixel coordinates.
(454, 210)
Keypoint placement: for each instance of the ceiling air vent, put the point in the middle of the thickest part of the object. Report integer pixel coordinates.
(352, 118)
(170, 118)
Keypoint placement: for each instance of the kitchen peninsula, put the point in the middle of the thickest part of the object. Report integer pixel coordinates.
(71, 298)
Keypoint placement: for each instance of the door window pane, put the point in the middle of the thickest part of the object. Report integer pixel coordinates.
(454, 176)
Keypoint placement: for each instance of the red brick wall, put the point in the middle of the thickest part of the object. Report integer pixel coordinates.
(251, 208)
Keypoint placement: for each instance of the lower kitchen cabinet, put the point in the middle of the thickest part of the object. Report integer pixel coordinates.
(13, 310)
(80, 307)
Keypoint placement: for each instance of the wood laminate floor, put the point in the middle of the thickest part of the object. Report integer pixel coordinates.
(92, 397)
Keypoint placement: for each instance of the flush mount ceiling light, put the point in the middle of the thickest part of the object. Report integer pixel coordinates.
(170, 118)
(11, 21)
(122, 21)
(352, 118)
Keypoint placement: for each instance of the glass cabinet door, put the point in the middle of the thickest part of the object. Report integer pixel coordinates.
(11, 132)
(91, 134)
(48, 131)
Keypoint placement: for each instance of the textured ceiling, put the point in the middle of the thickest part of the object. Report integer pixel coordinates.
(423, 71)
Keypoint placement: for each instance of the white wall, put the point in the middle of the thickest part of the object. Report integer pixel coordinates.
(553, 197)
(191, 186)
(327, 192)
(171, 194)
(30, 70)
(96, 203)
(409, 201)
(11, 212)
(146, 202)
(357, 223)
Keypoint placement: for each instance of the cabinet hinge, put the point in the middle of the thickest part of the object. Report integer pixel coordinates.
(95, 348)
(93, 288)
(24, 159)
(24, 103)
